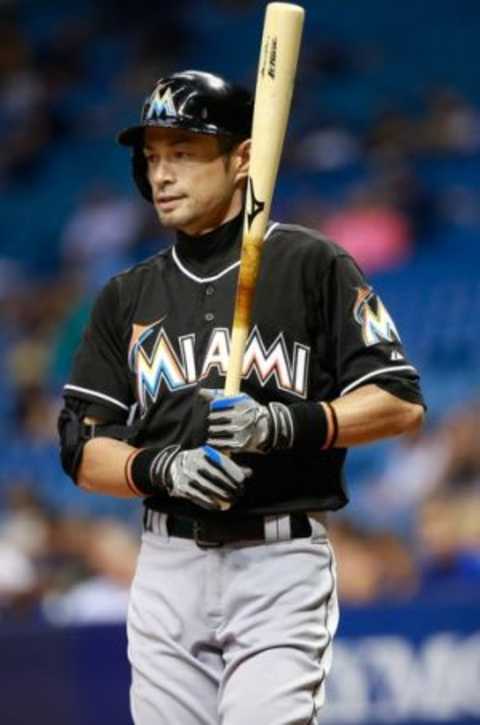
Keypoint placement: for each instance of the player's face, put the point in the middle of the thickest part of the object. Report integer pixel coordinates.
(195, 187)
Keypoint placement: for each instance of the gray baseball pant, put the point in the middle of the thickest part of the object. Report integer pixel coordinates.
(236, 635)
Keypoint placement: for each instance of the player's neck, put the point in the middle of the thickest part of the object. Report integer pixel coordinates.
(216, 218)
(215, 242)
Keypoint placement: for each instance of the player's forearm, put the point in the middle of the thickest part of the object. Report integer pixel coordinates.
(370, 413)
(103, 467)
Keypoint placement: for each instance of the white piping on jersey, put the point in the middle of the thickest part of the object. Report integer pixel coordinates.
(98, 395)
(201, 279)
(375, 372)
(270, 230)
(220, 274)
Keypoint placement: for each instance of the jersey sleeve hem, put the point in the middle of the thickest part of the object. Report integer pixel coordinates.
(94, 396)
(374, 373)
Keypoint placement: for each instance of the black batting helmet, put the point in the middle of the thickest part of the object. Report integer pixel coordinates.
(193, 100)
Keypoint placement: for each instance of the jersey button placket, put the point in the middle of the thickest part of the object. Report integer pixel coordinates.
(209, 292)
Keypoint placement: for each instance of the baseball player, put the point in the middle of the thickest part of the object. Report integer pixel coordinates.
(233, 607)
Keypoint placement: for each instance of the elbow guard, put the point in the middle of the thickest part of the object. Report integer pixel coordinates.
(74, 434)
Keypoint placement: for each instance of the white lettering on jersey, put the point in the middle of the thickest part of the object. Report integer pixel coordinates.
(187, 346)
(160, 362)
(153, 359)
(370, 313)
(300, 367)
(289, 376)
(218, 352)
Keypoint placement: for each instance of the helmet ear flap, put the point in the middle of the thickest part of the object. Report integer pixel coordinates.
(139, 168)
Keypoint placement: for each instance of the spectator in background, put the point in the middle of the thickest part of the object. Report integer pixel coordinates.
(99, 235)
(30, 319)
(372, 566)
(109, 551)
(451, 124)
(391, 136)
(326, 148)
(373, 230)
(23, 536)
(67, 337)
(448, 521)
(102, 225)
(18, 581)
(401, 188)
(24, 119)
(448, 528)
(431, 493)
(442, 460)
(377, 235)
(64, 568)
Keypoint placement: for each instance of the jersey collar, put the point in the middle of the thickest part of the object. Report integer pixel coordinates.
(210, 254)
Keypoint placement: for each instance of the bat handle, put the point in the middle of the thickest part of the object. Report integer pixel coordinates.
(234, 372)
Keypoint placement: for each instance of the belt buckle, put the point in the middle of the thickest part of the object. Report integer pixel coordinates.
(203, 543)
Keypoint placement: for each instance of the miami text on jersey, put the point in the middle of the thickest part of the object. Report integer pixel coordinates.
(371, 315)
(155, 360)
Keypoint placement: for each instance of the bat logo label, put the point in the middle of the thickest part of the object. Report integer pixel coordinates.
(272, 63)
(254, 206)
(269, 56)
(264, 58)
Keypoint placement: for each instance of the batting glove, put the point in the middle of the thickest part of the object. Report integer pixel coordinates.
(238, 423)
(202, 475)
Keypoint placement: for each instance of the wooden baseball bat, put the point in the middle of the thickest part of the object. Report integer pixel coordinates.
(282, 31)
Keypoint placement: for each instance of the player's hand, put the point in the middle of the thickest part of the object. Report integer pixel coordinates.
(206, 477)
(238, 423)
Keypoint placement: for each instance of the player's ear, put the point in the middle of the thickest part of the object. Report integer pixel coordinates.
(241, 160)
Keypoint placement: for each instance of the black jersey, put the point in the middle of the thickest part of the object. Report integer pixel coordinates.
(160, 331)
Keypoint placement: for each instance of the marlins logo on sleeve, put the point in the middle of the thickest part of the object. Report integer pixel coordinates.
(372, 316)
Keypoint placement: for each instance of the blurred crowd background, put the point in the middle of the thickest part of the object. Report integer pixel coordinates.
(383, 156)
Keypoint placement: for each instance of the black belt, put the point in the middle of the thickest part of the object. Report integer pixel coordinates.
(210, 534)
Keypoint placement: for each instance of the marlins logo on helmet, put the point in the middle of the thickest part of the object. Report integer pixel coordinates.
(161, 104)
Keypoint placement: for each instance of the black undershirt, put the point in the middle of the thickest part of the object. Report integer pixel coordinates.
(209, 254)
